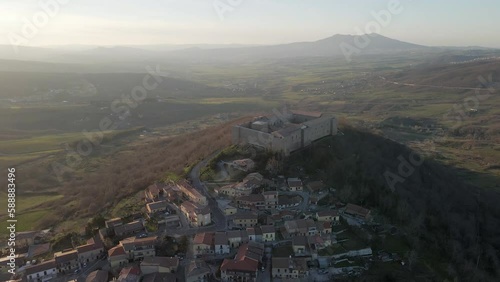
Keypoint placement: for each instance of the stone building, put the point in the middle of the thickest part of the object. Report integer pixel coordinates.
(289, 132)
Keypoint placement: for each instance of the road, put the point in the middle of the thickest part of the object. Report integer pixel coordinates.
(436, 86)
(217, 216)
(303, 204)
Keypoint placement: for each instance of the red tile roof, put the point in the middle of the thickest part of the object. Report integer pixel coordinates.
(116, 251)
(206, 238)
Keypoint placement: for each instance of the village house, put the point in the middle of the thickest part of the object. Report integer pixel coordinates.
(129, 229)
(283, 215)
(237, 237)
(300, 245)
(156, 207)
(245, 219)
(172, 220)
(66, 261)
(268, 233)
(112, 223)
(245, 265)
(90, 252)
(43, 271)
(294, 184)
(221, 243)
(197, 215)
(254, 234)
(160, 277)
(191, 193)
(139, 248)
(251, 202)
(203, 243)
(172, 192)
(159, 265)
(357, 211)
(130, 274)
(243, 188)
(288, 201)
(226, 207)
(320, 241)
(98, 276)
(153, 192)
(117, 257)
(327, 227)
(328, 215)
(270, 199)
(197, 271)
(316, 187)
(300, 227)
(269, 220)
(289, 268)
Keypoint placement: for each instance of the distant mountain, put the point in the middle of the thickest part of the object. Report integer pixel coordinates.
(26, 53)
(337, 45)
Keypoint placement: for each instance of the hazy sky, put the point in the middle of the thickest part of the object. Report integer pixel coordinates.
(113, 22)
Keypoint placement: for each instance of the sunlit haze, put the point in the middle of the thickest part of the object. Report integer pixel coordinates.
(115, 22)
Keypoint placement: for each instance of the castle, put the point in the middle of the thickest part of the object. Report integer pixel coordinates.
(285, 132)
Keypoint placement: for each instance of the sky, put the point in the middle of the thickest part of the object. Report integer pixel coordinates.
(140, 22)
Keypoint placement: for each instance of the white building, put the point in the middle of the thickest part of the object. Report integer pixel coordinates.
(44, 271)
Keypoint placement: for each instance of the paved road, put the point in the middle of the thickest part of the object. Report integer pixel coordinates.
(217, 215)
(305, 199)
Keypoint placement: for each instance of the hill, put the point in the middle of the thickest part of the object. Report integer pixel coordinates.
(451, 225)
(103, 86)
(329, 47)
(463, 74)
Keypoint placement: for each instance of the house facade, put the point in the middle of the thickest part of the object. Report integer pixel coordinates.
(90, 252)
(155, 207)
(191, 193)
(221, 243)
(268, 233)
(197, 271)
(270, 199)
(328, 215)
(203, 243)
(245, 219)
(197, 215)
(41, 272)
(245, 265)
(289, 268)
(117, 257)
(139, 248)
(66, 261)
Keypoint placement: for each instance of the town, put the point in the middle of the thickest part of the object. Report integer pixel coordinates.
(283, 228)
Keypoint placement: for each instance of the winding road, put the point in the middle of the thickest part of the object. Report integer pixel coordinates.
(217, 215)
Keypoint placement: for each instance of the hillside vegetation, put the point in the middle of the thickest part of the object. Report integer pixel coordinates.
(453, 227)
(120, 174)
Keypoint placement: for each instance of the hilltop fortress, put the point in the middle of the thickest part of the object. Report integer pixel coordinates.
(285, 132)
